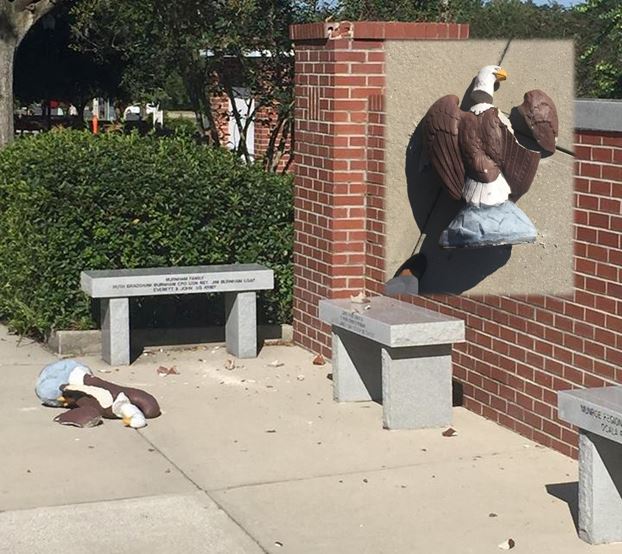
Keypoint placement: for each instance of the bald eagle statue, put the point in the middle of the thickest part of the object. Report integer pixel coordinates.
(479, 160)
(70, 384)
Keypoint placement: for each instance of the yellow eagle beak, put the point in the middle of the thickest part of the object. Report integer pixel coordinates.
(501, 75)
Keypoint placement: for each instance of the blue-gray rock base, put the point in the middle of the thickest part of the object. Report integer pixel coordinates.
(475, 227)
(51, 378)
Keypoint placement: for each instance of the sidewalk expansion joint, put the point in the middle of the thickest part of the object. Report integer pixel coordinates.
(447, 461)
(205, 492)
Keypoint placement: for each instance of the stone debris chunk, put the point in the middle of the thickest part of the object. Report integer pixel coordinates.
(507, 545)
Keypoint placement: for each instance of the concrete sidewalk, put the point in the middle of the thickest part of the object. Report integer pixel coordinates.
(260, 459)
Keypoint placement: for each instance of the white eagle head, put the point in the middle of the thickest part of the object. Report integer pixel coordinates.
(485, 81)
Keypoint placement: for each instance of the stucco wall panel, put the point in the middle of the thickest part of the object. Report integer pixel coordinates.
(417, 209)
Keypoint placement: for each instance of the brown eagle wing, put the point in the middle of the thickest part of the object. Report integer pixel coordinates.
(145, 402)
(540, 115)
(517, 163)
(440, 136)
(87, 413)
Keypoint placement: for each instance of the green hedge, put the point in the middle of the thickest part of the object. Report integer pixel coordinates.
(71, 201)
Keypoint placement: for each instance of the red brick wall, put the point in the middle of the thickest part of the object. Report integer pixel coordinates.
(265, 122)
(519, 350)
(339, 179)
(334, 79)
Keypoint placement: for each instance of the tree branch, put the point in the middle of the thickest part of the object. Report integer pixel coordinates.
(40, 7)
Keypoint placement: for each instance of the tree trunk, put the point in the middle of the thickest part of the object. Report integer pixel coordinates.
(16, 18)
(7, 53)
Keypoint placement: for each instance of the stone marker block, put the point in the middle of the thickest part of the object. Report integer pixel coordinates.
(241, 326)
(395, 352)
(600, 488)
(115, 324)
(598, 414)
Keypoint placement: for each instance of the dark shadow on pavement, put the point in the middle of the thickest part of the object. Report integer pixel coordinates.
(569, 493)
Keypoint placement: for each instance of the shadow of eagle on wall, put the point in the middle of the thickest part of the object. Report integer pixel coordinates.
(478, 159)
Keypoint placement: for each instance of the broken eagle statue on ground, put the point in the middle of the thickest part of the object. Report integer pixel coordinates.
(478, 159)
(69, 384)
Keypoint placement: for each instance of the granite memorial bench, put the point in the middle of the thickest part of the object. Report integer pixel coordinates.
(239, 282)
(395, 352)
(598, 415)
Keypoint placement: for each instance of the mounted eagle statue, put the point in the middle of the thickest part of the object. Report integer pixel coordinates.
(479, 160)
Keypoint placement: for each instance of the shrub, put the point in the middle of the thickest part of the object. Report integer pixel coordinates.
(71, 201)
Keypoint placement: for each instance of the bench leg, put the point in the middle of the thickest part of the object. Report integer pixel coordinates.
(416, 387)
(356, 367)
(115, 324)
(600, 489)
(241, 326)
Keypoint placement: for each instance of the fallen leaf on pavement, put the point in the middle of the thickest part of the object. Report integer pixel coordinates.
(449, 432)
(229, 364)
(163, 371)
(319, 360)
(507, 545)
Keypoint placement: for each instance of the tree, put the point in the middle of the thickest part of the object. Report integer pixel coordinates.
(16, 19)
(522, 20)
(599, 45)
(46, 67)
(595, 26)
(215, 47)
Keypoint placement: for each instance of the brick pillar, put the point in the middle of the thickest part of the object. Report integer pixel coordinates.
(339, 165)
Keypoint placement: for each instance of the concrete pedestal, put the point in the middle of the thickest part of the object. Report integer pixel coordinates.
(115, 324)
(357, 373)
(598, 414)
(600, 489)
(241, 326)
(416, 387)
(397, 353)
